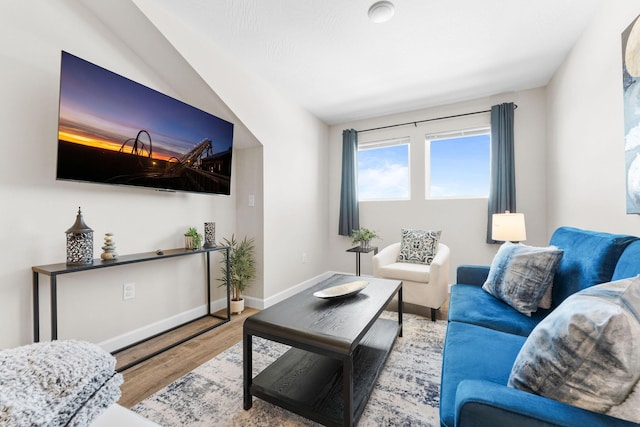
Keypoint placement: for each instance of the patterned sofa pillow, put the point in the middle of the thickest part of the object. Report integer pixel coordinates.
(585, 353)
(418, 247)
(520, 275)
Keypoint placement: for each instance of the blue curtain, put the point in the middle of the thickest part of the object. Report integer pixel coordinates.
(502, 186)
(349, 214)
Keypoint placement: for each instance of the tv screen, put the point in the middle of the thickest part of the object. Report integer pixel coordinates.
(113, 130)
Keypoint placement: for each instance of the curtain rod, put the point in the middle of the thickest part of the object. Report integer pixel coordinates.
(415, 123)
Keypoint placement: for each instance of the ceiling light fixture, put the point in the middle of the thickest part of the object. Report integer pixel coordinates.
(381, 11)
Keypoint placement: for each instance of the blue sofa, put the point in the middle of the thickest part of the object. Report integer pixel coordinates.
(484, 337)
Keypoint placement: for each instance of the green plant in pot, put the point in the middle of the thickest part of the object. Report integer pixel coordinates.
(363, 237)
(192, 239)
(242, 269)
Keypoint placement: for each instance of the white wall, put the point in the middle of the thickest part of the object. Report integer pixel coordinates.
(249, 218)
(586, 130)
(462, 221)
(294, 157)
(282, 163)
(37, 209)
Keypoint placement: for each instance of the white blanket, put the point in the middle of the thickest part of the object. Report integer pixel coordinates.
(58, 383)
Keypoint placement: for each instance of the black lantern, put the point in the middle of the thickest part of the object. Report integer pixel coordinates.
(79, 242)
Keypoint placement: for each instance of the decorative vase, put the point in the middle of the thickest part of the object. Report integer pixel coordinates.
(189, 242)
(79, 242)
(365, 244)
(209, 234)
(237, 307)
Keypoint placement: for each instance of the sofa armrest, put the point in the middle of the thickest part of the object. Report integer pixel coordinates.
(439, 269)
(483, 403)
(472, 274)
(386, 256)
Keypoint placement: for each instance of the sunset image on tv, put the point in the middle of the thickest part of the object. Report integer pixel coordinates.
(113, 130)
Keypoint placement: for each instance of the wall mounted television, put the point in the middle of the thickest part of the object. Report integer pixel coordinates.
(112, 130)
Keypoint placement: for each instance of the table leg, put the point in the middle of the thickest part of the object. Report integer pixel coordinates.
(36, 308)
(347, 375)
(248, 370)
(357, 263)
(400, 309)
(208, 285)
(54, 308)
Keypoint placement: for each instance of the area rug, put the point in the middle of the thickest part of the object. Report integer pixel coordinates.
(406, 394)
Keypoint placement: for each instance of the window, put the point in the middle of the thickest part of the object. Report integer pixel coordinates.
(458, 164)
(383, 170)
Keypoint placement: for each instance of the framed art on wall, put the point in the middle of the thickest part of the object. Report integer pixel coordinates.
(631, 96)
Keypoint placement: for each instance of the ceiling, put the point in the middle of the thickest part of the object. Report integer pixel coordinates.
(328, 57)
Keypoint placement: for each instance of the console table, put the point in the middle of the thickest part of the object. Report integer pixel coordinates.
(54, 270)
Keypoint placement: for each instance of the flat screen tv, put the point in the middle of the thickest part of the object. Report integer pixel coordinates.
(112, 130)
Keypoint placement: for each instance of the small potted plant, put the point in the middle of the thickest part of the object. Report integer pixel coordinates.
(363, 236)
(192, 239)
(242, 269)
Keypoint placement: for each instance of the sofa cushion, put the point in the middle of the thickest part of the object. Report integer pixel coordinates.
(470, 304)
(467, 355)
(418, 246)
(585, 353)
(589, 258)
(472, 274)
(405, 271)
(521, 274)
(628, 265)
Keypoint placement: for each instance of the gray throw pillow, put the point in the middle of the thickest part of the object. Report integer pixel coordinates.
(520, 275)
(547, 298)
(418, 247)
(629, 409)
(586, 352)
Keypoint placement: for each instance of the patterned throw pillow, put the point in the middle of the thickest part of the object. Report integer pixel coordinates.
(418, 247)
(585, 353)
(520, 275)
(547, 298)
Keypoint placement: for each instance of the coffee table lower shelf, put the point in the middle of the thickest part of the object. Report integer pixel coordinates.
(311, 384)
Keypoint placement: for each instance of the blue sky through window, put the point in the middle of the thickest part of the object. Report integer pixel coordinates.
(383, 172)
(460, 166)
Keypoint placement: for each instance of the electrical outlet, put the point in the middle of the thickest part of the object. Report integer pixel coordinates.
(304, 257)
(128, 291)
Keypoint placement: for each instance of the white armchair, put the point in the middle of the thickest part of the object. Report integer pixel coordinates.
(423, 285)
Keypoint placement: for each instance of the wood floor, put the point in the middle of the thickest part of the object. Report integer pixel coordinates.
(142, 380)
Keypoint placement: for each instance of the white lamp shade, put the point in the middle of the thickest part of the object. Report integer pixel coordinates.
(508, 227)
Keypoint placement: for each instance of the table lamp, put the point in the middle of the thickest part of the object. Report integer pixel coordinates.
(508, 227)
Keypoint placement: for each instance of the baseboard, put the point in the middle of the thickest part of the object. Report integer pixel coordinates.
(152, 329)
(147, 331)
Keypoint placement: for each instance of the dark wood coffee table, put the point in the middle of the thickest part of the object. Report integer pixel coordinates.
(338, 349)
